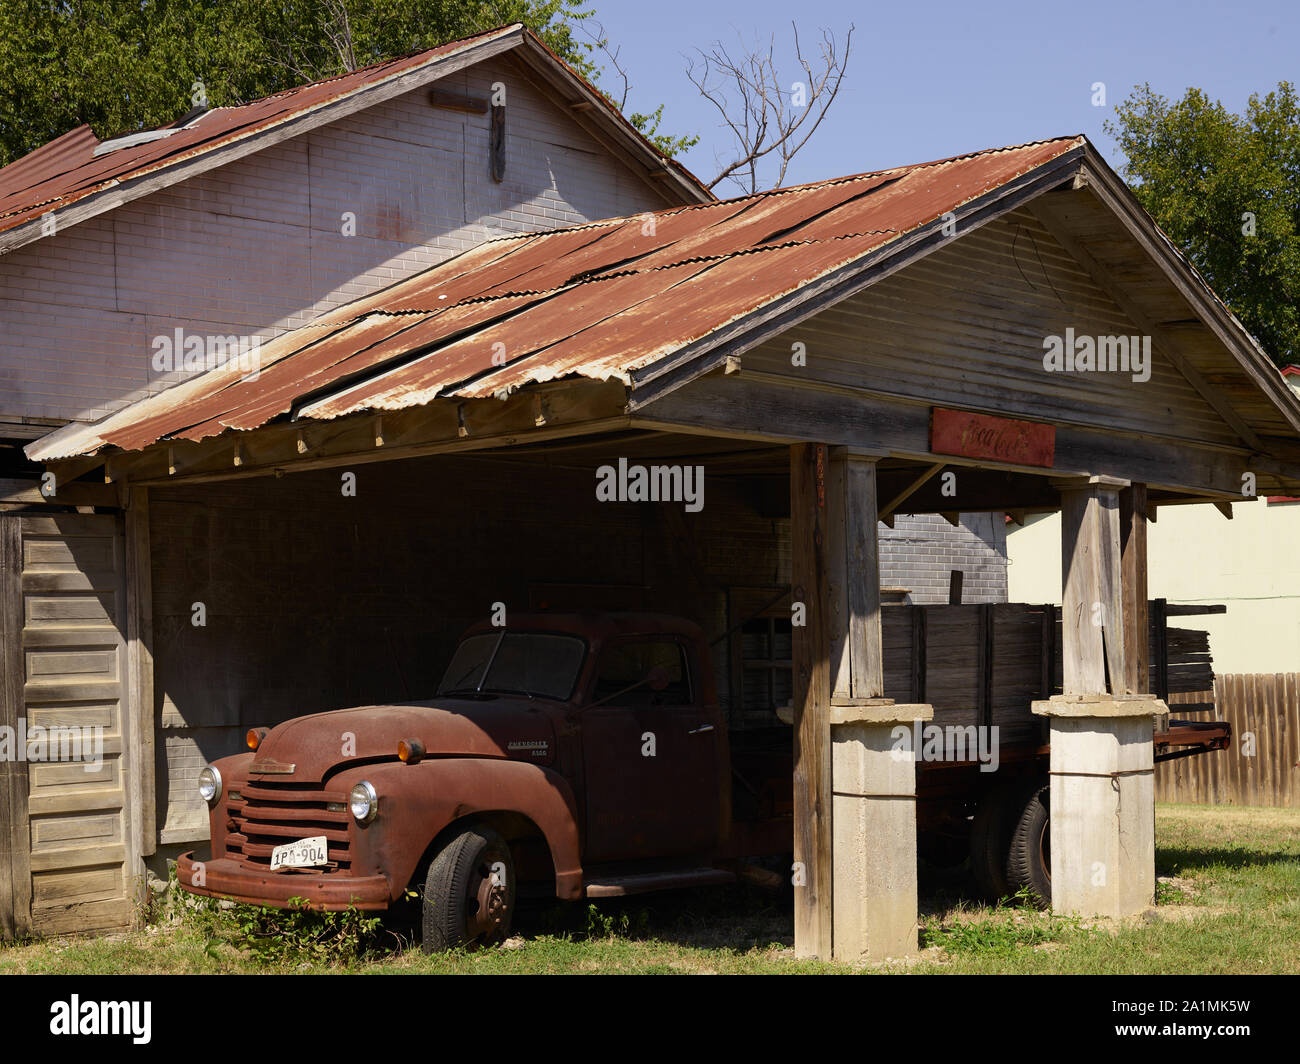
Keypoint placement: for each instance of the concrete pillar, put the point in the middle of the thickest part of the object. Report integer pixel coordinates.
(1102, 803)
(874, 817)
(1102, 794)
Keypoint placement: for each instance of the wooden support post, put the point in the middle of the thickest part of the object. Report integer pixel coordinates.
(140, 688)
(1137, 626)
(857, 664)
(811, 698)
(1092, 607)
(15, 828)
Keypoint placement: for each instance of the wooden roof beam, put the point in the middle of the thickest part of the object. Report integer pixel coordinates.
(437, 428)
(890, 508)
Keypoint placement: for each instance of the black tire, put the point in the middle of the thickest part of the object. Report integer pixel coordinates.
(990, 842)
(1029, 862)
(469, 893)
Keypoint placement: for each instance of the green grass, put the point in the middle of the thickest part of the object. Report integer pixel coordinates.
(1228, 902)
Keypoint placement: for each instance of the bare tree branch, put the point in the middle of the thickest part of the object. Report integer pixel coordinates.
(601, 42)
(766, 118)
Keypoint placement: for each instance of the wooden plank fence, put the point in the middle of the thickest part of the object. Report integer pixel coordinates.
(1262, 766)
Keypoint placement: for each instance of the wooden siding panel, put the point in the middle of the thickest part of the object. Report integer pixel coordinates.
(965, 327)
(73, 601)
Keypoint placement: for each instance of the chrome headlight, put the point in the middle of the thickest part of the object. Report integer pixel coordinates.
(210, 784)
(363, 802)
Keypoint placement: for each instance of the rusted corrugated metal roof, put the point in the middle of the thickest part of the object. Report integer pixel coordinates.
(600, 301)
(67, 169)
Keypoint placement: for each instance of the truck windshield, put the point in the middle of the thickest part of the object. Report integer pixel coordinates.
(529, 663)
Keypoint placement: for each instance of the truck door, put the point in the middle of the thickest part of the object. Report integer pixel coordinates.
(649, 757)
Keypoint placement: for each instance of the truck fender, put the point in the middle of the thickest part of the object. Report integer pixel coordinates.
(416, 802)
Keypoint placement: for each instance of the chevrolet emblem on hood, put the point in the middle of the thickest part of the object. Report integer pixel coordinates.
(268, 766)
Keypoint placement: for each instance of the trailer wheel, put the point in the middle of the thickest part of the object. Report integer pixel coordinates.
(469, 893)
(1029, 863)
(990, 841)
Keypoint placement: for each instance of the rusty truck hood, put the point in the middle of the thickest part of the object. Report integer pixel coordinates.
(311, 748)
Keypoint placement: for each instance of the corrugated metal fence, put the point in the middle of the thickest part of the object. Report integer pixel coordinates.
(1262, 766)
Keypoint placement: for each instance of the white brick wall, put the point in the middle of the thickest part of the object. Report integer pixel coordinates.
(921, 550)
(256, 247)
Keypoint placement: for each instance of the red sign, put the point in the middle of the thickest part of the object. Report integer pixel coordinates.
(1001, 439)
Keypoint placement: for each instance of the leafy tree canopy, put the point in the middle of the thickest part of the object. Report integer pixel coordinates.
(1226, 188)
(125, 65)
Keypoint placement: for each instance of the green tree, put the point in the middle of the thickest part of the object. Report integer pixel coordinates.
(1226, 188)
(124, 65)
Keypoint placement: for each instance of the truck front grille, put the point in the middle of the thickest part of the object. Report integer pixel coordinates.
(267, 815)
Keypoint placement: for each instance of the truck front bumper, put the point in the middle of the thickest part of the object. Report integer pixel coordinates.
(225, 878)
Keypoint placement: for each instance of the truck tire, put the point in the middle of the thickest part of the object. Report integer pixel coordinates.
(1029, 862)
(469, 893)
(990, 842)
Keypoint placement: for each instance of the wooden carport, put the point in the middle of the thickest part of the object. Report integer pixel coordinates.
(832, 321)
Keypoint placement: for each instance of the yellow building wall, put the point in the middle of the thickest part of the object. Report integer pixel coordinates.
(1251, 564)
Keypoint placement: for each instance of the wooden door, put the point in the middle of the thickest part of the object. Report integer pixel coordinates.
(71, 844)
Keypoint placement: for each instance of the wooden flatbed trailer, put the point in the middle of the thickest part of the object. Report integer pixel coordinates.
(981, 666)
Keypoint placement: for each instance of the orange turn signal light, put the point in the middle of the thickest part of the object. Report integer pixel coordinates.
(410, 751)
(255, 736)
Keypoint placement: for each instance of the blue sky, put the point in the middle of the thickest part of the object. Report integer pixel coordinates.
(928, 80)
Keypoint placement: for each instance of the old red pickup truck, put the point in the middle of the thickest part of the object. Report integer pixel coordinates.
(575, 755)
(582, 755)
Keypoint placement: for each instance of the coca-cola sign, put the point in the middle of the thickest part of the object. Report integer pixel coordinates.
(1000, 439)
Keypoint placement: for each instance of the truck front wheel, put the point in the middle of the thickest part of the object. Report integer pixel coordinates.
(469, 893)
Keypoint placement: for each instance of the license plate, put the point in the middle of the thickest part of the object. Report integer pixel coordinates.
(305, 853)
